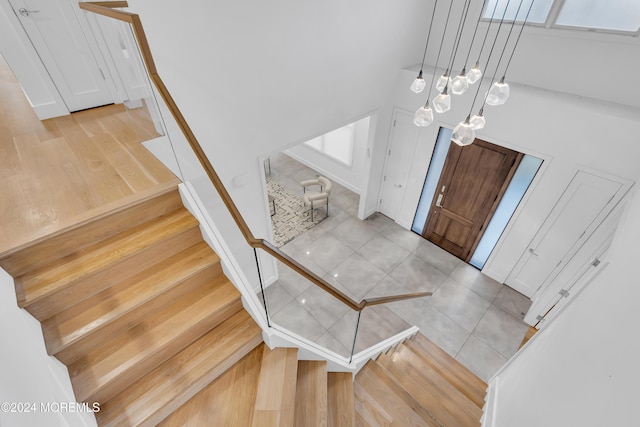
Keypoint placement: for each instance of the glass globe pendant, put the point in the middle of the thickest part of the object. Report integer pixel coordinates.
(498, 94)
(474, 74)
(442, 102)
(460, 83)
(463, 134)
(443, 81)
(423, 116)
(478, 121)
(418, 84)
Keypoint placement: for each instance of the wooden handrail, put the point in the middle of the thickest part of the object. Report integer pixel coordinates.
(106, 8)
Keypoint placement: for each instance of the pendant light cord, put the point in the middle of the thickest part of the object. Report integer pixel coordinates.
(488, 28)
(489, 57)
(424, 55)
(463, 18)
(518, 39)
(466, 60)
(435, 67)
(506, 42)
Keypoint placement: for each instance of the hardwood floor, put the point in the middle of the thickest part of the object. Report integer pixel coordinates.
(56, 172)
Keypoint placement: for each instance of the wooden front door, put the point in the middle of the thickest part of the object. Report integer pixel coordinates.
(473, 180)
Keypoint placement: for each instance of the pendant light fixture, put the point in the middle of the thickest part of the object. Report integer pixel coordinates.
(475, 73)
(442, 102)
(418, 84)
(499, 92)
(461, 83)
(463, 134)
(424, 115)
(463, 74)
(478, 121)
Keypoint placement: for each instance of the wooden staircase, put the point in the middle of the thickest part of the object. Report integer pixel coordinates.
(270, 388)
(418, 384)
(135, 303)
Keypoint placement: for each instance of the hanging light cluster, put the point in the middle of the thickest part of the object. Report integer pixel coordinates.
(464, 132)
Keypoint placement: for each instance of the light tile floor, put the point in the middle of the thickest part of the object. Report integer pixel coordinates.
(472, 317)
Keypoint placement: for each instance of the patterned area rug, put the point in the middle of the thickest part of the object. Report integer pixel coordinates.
(292, 218)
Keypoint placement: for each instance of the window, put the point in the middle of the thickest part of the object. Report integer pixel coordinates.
(618, 16)
(537, 15)
(337, 144)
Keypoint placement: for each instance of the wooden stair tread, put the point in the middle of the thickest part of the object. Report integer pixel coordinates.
(36, 285)
(275, 398)
(102, 311)
(311, 393)
(181, 377)
(64, 238)
(449, 368)
(382, 401)
(227, 401)
(129, 356)
(429, 389)
(340, 403)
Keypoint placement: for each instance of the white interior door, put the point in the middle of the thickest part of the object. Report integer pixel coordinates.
(401, 145)
(555, 294)
(56, 34)
(582, 207)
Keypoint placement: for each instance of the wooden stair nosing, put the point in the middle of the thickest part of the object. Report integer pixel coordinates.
(311, 393)
(86, 343)
(340, 403)
(163, 390)
(453, 371)
(36, 285)
(276, 392)
(391, 398)
(61, 239)
(121, 361)
(430, 390)
(72, 325)
(79, 290)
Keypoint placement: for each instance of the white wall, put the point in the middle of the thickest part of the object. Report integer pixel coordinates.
(579, 62)
(582, 369)
(351, 176)
(253, 78)
(565, 130)
(27, 373)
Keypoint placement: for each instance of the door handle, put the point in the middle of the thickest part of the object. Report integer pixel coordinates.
(532, 252)
(439, 201)
(27, 12)
(398, 185)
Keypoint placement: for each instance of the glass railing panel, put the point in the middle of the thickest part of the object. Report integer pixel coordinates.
(380, 322)
(130, 83)
(161, 137)
(295, 305)
(289, 300)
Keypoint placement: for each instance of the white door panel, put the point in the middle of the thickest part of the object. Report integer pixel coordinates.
(398, 158)
(56, 34)
(583, 205)
(553, 295)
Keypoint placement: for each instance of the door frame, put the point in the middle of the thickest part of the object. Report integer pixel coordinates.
(31, 72)
(615, 201)
(503, 188)
(548, 301)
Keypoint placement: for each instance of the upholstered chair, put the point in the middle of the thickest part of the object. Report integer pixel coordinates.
(315, 198)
